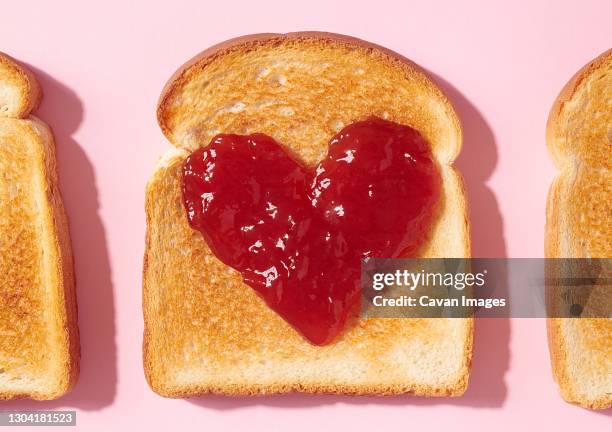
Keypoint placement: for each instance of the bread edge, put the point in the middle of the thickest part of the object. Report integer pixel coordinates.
(209, 54)
(565, 95)
(30, 90)
(178, 392)
(69, 308)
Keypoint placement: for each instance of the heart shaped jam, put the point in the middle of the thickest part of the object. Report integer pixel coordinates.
(298, 235)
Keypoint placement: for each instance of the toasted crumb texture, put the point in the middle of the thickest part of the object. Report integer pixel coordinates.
(39, 349)
(579, 224)
(205, 330)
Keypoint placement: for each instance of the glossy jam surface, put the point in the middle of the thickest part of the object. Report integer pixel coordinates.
(298, 235)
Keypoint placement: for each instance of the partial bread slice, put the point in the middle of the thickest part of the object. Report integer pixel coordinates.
(39, 346)
(579, 224)
(19, 90)
(206, 331)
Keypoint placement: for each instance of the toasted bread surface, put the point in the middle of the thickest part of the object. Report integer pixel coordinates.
(205, 330)
(39, 348)
(579, 224)
(19, 90)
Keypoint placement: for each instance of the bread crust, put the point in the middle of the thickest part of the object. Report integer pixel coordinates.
(209, 54)
(557, 231)
(159, 381)
(70, 349)
(56, 268)
(567, 93)
(25, 83)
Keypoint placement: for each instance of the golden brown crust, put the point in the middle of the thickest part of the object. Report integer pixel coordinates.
(566, 95)
(67, 305)
(25, 84)
(41, 358)
(189, 348)
(238, 390)
(556, 124)
(578, 225)
(205, 57)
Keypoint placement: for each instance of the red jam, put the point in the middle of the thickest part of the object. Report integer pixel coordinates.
(298, 235)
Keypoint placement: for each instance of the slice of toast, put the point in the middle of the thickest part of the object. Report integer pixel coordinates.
(39, 345)
(579, 225)
(208, 332)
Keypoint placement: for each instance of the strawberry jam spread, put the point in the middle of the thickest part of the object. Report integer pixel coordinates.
(298, 234)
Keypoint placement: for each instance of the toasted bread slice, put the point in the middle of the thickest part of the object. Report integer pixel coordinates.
(208, 332)
(39, 346)
(579, 224)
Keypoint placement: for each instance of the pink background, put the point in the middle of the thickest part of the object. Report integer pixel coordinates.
(102, 68)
